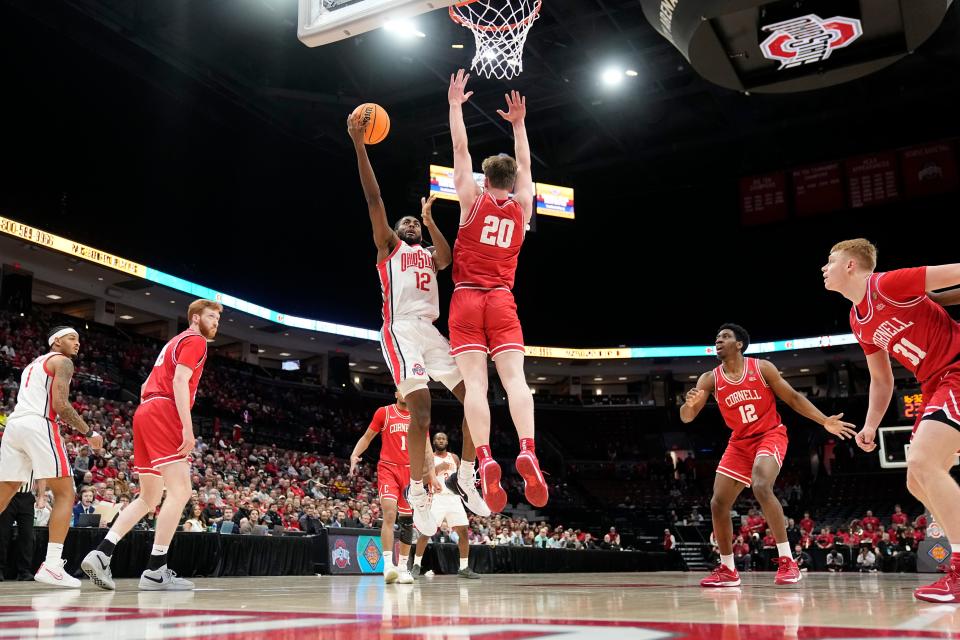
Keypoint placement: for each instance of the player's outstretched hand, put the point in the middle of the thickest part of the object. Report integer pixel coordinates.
(865, 439)
(355, 127)
(693, 397)
(354, 461)
(839, 428)
(516, 108)
(457, 93)
(426, 210)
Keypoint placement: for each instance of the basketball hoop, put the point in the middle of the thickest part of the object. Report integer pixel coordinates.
(500, 30)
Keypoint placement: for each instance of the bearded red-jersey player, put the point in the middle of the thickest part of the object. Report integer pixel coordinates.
(392, 424)
(893, 314)
(746, 391)
(483, 314)
(162, 442)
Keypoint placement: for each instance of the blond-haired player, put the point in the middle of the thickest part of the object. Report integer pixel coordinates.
(893, 314)
(162, 442)
(483, 313)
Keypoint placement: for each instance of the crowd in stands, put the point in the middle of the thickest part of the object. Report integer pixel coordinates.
(864, 544)
(241, 485)
(271, 458)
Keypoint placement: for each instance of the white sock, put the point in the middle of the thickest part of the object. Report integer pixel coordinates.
(160, 549)
(727, 561)
(387, 559)
(416, 487)
(783, 548)
(955, 547)
(113, 537)
(464, 563)
(402, 563)
(54, 553)
(418, 560)
(466, 469)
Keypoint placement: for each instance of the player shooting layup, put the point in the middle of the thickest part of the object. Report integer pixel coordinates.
(412, 346)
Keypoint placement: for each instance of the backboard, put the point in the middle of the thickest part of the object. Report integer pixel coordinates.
(895, 445)
(324, 21)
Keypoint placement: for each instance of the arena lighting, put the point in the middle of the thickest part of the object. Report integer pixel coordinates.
(103, 259)
(631, 73)
(126, 317)
(612, 76)
(284, 354)
(403, 29)
(53, 296)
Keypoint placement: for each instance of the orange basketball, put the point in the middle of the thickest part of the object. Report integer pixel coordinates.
(375, 121)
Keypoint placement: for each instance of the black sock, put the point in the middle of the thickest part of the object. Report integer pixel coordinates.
(106, 547)
(156, 562)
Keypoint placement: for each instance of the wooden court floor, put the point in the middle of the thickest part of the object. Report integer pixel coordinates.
(634, 606)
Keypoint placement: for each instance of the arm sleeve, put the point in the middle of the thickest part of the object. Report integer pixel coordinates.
(191, 351)
(379, 420)
(903, 284)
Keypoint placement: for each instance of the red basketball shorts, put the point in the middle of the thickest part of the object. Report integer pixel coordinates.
(941, 398)
(157, 434)
(740, 454)
(392, 482)
(484, 321)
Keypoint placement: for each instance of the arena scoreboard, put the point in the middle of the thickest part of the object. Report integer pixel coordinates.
(551, 200)
(909, 404)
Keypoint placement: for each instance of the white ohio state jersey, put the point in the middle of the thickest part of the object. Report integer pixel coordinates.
(446, 473)
(35, 396)
(408, 281)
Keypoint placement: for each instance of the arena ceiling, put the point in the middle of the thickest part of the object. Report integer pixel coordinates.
(202, 137)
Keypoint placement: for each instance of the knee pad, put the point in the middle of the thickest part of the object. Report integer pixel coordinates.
(405, 523)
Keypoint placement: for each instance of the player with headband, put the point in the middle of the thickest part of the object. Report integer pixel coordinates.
(32, 448)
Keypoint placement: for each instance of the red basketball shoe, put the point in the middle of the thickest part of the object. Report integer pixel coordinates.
(493, 493)
(946, 589)
(722, 577)
(534, 486)
(788, 572)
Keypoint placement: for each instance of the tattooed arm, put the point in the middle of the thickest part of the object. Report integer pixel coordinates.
(62, 375)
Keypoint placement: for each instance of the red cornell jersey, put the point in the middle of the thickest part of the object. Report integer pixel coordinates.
(897, 316)
(392, 425)
(747, 405)
(488, 244)
(189, 349)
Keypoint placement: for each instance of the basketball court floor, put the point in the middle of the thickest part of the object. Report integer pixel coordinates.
(635, 606)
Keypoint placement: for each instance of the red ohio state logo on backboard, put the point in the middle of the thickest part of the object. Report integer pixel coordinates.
(808, 39)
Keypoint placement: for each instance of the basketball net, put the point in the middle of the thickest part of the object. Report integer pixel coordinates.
(500, 30)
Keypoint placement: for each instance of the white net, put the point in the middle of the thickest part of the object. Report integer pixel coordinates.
(500, 30)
